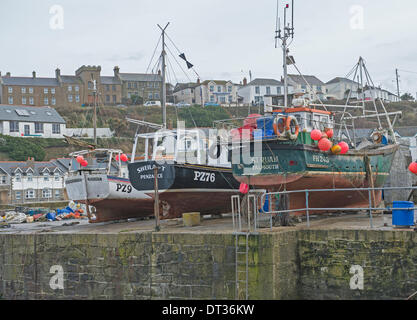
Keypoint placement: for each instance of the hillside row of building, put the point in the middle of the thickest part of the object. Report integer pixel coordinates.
(137, 88)
(271, 91)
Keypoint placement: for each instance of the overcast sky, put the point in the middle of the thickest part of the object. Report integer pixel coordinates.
(224, 39)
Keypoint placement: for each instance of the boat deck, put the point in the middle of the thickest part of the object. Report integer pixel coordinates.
(210, 225)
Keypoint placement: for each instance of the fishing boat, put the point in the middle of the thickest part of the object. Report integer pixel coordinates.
(289, 159)
(186, 171)
(102, 183)
(193, 174)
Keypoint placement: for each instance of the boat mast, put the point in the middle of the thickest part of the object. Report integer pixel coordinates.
(95, 111)
(164, 88)
(284, 35)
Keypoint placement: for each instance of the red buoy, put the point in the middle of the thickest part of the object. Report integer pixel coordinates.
(84, 163)
(244, 188)
(117, 157)
(79, 159)
(413, 167)
(316, 135)
(329, 133)
(344, 146)
(123, 157)
(325, 144)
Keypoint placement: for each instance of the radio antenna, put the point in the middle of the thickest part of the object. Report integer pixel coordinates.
(277, 25)
(284, 35)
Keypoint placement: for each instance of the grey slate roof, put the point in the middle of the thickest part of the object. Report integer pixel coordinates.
(140, 77)
(71, 79)
(109, 80)
(38, 167)
(312, 80)
(29, 81)
(182, 86)
(340, 79)
(265, 82)
(35, 114)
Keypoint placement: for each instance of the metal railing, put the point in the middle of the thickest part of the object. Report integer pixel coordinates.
(371, 208)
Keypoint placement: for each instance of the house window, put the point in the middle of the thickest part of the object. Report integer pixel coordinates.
(46, 193)
(23, 90)
(53, 100)
(150, 95)
(211, 88)
(113, 88)
(211, 98)
(10, 90)
(268, 90)
(278, 90)
(3, 179)
(46, 101)
(56, 176)
(38, 127)
(136, 85)
(114, 99)
(14, 126)
(18, 195)
(223, 99)
(69, 88)
(57, 193)
(108, 98)
(107, 87)
(70, 98)
(31, 101)
(149, 84)
(45, 176)
(18, 177)
(30, 90)
(53, 90)
(23, 100)
(30, 176)
(219, 89)
(257, 90)
(156, 95)
(45, 90)
(77, 98)
(10, 100)
(230, 98)
(319, 88)
(90, 85)
(129, 85)
(229, 89)
(56, 128)
(30, 194)
(77, 88)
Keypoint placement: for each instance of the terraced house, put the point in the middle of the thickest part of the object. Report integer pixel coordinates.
(138, 88)
(31, 181)
(61, 91)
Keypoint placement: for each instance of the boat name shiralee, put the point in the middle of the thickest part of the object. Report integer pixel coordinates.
(149, 167)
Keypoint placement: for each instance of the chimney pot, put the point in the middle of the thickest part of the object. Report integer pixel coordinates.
(198, 80)
(8, 74)
(116, 71)
(33, 74)
(245, 81)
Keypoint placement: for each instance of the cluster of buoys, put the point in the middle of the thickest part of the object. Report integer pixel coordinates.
(82, 161)
(413, 167)
(325, 144)
(123, 158)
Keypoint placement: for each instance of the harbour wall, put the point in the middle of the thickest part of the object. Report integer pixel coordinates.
(293, 264)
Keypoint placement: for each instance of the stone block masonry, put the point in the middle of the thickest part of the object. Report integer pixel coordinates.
(303, 264)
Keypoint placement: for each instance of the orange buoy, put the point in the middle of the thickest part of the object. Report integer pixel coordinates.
(336, 149)
(123, 157)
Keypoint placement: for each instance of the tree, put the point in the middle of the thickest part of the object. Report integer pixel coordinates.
(407, 97)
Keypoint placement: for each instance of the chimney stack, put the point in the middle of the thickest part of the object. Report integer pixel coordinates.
(245, 81)
(58, 73)
(198, 80)
(116, 71)
(8, 74)
(159, 72)
(33, 74)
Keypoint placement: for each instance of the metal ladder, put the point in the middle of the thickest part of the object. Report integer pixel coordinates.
(242, 247)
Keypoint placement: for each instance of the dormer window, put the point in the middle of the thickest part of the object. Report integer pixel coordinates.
(18, 177)
(30, 176)
(45, 176)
